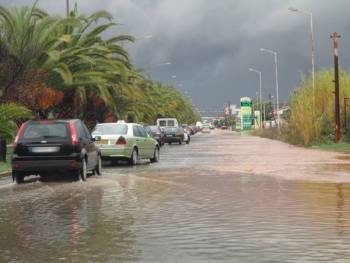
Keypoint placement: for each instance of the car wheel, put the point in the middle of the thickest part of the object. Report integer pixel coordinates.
(155, 158)
(19, 178)
(188, 140)
(134, 157)
(83, 171)
(170, 143)
(98, 169)
(180, 142)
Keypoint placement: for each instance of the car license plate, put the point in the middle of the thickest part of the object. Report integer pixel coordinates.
(45, 149)
(102, 142)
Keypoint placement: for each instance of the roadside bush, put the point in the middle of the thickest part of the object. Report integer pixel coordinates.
(308, 124)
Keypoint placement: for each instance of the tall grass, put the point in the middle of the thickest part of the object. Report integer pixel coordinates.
(308, 124)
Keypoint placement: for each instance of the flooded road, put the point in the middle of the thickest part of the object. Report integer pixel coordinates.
(223, 198)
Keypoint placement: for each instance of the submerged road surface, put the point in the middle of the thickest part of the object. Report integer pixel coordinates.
(225, 197)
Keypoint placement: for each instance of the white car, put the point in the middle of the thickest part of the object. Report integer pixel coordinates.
(205, 128)
(187, 138)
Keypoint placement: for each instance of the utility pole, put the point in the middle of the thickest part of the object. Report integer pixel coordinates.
(277, 87)
(67, 7)
(335, 38)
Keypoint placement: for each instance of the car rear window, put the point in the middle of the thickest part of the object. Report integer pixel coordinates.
(111, 129)
(171, 123)
(45, 131)
(162, 123)
(170, 129)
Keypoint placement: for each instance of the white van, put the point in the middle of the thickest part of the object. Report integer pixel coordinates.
(167, 122)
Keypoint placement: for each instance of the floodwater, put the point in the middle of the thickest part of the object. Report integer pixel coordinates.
(204, 202)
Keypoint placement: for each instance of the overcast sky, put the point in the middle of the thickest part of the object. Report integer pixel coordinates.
(211, 44)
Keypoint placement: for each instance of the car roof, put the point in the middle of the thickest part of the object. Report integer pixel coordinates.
(59, 120)
(117, 123)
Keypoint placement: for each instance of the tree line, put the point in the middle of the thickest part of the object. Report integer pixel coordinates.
(63, 67)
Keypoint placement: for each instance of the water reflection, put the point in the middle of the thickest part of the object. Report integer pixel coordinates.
(341, 220)
(71, 222)
(176, 211)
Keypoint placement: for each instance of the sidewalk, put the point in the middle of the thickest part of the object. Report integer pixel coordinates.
(259, 156)
(5, 169)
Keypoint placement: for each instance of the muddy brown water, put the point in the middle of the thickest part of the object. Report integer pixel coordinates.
(182, 209)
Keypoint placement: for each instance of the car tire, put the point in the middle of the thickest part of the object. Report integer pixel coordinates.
(134, 157)
(82, 173)
(98, 169)
(188, 140)
(18, 178)
(155, 158)
(180, 142)
(170, 143)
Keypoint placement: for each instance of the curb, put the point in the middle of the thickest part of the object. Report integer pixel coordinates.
(4, 174)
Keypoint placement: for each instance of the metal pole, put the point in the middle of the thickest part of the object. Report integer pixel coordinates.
(336, 84)
(67, 7)
(277, 91)
(264, 116)
(313, 59)
(345, 117)
(261, 109)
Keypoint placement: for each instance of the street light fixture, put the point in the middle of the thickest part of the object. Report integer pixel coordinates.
(274, 53)
(292, 9)
(260, 91)
(67, 7)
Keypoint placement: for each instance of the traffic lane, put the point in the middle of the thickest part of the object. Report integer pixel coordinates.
(225, 151)
(177, 210)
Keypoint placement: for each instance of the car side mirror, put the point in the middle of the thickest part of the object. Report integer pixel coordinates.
(96, 138)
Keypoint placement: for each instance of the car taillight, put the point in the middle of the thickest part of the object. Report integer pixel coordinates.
(73, 133)
(158, 133)
(121, 141)
(19, 134)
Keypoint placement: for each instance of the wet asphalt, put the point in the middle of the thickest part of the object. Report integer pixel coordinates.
(198, 204)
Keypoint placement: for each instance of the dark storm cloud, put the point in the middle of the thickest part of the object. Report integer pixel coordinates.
(211, 44)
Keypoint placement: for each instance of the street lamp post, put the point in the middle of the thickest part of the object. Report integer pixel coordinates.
(277, 88)
(260, 91)
(67, 7)
(312, 46)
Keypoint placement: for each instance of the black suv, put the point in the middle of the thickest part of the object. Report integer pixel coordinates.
(174, 135)
(45, 147)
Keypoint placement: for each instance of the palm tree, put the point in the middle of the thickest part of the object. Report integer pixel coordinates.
(67, 54)
(65, 67)
(9, 114)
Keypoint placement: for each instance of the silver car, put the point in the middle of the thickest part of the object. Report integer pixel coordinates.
(125, 141)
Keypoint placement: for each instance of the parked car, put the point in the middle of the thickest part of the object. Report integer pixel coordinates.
(156, 133)
(167, 122)
(187, 133)
(187, 138)
(205, 128)
(174, 135)
(194, 129)
(46, 147)
(125, 141)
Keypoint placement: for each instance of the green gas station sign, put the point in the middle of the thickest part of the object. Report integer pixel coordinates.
(246, 113)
